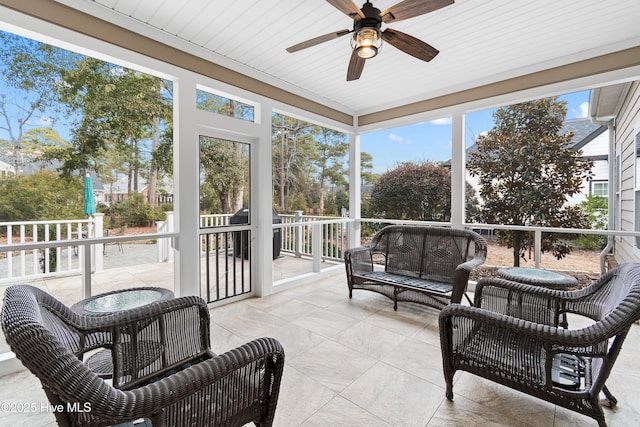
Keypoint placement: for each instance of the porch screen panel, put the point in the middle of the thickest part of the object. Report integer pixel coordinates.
(225, 234)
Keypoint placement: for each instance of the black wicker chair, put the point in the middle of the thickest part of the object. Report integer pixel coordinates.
(511, 336)
(183, 384)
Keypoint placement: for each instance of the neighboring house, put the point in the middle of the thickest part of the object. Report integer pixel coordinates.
(30, 165)
(593, 140)
(6, 169)
(619, 106)
(119, 190)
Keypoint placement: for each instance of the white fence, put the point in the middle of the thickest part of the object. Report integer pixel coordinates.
(298, 235)
(39, 262)
(50, 248)
(54, 248)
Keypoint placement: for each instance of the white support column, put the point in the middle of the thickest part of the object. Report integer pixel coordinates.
(186, 182)
(355, 190)
(458, 168)
(98, 227)
(316, 243)
(261, 206)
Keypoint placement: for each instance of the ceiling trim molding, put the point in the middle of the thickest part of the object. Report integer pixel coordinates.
(622, 59)
(78, 21)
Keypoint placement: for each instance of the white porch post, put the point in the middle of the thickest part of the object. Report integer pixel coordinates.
(355, 190)
(458, 167)
(186, 204)
(262, 205)
(98, 227)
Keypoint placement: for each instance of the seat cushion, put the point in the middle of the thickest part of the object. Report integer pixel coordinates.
(410, 282)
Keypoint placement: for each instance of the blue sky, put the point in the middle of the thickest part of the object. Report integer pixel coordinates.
(431, 141)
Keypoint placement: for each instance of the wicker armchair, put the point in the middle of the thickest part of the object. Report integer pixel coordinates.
(511, 336)
(182, 384)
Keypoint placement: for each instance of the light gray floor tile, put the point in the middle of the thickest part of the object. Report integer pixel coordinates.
(370, 339)
(325, 322)
(399, 398)
(300, 397)
(332, 364)
(333, 414)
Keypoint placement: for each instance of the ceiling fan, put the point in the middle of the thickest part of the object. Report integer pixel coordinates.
(367, 37)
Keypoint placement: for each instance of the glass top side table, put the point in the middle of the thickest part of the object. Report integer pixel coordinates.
(101, 362)
(120, 300)
(538, 276)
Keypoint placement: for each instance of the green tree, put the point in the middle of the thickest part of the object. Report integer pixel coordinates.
(42, 195)
(118, 109)
(225, 165)
(596, 208)
(527, 171)
(109, 107)
(293, 148)
(330, 150)
(414, 191)
(28, 70)
(366, 169)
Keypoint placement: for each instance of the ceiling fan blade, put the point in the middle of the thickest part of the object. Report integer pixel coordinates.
(409, 44)
(356, 64)
(317, 40)
(347, 7)
(409, 8)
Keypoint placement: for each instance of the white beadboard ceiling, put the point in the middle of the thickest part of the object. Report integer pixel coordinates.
(480, 42)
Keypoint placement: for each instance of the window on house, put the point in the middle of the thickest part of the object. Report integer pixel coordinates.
(600, 189)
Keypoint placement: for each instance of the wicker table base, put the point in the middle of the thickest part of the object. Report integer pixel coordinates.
(101, 362)
(540, 277)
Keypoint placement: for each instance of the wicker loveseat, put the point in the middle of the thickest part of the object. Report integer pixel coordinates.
(185, 384)
(511, 336)
(426, 265)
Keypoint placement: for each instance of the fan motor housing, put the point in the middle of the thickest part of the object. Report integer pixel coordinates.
(371, 18)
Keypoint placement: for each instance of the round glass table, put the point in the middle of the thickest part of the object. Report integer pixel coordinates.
(538, 276)
(103, 304)
(124, 299)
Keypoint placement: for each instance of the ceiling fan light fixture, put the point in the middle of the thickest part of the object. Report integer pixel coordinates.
(367, 42)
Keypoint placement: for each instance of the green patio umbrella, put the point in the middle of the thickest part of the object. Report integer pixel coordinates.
(89, 198)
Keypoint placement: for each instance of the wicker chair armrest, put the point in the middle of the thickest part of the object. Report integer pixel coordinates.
(472, 263)
(359, 260)
(236, 374)
(590, 338)
(126, 318)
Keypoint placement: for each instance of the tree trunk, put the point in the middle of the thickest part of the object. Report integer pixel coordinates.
(153, 173)
(517, 242)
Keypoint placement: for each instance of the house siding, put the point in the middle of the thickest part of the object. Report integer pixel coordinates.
(627, 123)
(597, 148)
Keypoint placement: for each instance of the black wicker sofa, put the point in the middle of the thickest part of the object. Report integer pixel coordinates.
(421, 264)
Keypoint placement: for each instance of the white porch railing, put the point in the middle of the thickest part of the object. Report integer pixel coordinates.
(33, 263)
(298, 235)
(58, 241)
(215, 220)
(31, 247)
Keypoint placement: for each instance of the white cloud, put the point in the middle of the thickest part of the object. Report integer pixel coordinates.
(443, 121)
(398, 138)
(584, 109)
(45, 121)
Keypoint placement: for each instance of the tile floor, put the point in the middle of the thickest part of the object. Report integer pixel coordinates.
(358, 363)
